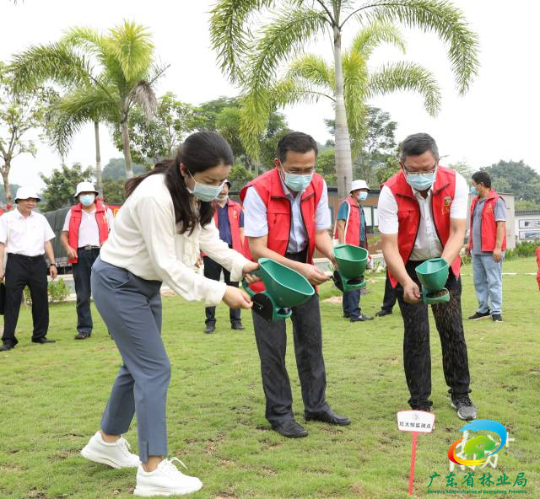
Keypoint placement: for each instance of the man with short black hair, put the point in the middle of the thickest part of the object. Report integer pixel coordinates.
(422, 215)
(286, 218)
(26, 236)
(487, 243)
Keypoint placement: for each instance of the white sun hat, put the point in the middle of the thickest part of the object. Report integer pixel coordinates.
(26, 193)
(358, 184)
(85, 187)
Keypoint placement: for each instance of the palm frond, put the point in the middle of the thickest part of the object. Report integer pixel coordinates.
(281, 40)
(373, 35)
(440, 17)
(143, 95)
(407, 76)
(313, 69)
(355, 82)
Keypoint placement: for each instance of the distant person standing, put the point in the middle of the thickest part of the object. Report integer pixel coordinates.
(26, 236)
(229, 219)
(487, 243)
(86, 228)
(351, 229)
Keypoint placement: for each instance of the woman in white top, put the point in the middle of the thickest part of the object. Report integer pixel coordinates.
(157, 237)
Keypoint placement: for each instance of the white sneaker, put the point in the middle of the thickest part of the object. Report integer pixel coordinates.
(165, 480)
(116, 455)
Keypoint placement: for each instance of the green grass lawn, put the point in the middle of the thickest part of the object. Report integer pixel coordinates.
(52, 398)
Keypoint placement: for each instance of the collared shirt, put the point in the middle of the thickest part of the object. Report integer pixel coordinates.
(146, 241)
(25, 236)
(88, 230)
(224, 225)
(256, 221)
(427, 244)
(500, 216)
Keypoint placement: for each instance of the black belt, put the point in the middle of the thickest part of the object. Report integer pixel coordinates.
(25, 257)
(88, 248)
(301, 256)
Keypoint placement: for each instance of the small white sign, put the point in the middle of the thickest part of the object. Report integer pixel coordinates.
(419, 421)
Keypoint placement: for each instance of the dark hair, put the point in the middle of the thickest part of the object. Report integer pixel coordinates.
(417, 144)
(482, 178)
(296, 142)
(199, 152)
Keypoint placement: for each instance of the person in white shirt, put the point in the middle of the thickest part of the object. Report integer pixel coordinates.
(25, 236)
(158, 235)
(422, 212)
(86, 228)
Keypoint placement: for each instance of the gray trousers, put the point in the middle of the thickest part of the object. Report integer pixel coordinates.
(131, 309)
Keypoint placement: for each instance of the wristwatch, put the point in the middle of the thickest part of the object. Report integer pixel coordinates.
(52, 265)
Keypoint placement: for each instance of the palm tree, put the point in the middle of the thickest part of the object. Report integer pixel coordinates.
(112, 72)
(309, 78)
(252, 57)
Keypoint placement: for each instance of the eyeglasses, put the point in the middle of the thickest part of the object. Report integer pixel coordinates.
(423, 172)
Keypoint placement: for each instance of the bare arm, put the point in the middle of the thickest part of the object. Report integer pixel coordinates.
(455, 240)
(53, 271)
(323, 242)
(341, 231)
(2, 249)
(501, 231)
(259, 249)
(241, 233)
(71, 252)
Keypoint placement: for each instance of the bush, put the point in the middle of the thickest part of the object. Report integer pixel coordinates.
(57, 291)
(524, 249)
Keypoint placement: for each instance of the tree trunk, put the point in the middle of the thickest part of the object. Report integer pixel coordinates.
(99, 178)
(7, 186)
(127, 152)
(343, 142)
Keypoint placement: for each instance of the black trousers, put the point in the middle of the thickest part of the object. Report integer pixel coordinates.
(389, 299)
(212, 270)
(24, 271)
(81, 276)
(271, 340)
(416, 351)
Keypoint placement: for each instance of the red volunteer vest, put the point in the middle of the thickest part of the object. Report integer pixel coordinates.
(233, 212)
(278, 213)
(352, 226)
(488, 223)
(538, 263)
(75, 223)
(444, 191)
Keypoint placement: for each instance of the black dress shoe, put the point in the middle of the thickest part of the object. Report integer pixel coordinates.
(6, 346)
(238, 326)
(291, 429)
(382, 313)
(329, 417)
(361, 318)
(82, 336)
(210, 328)
(42, 341)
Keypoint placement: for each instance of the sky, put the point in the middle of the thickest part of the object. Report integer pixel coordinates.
(497, 119)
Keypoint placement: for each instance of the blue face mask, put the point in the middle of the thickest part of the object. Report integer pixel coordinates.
(362, 196)
(421, 182)
(474, 191)
(205, 192)
(296, 182)
(87, 199)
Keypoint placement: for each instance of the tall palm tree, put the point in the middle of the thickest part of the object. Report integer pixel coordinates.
(251, 49)
(115, 72)
(310, 78)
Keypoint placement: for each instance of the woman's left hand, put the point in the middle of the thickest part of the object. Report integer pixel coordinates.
(250, 267)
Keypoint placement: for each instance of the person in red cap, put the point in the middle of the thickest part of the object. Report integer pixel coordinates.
(422, 215)
(287, 217)
(229, 219)
(86, 228)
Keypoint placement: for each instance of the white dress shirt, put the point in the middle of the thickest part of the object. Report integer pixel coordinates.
(256, 220)
(427, 244)
(146, 241)
(25, 236)
(88, 230)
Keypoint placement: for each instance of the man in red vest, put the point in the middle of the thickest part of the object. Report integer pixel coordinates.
(422, 215)
(86, 228)
(351, 229)
(487, 243)
(287, 217)
(229, 219)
